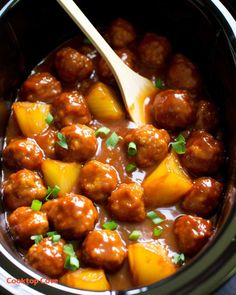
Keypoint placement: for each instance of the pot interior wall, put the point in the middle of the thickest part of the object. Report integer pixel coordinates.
(31, 29)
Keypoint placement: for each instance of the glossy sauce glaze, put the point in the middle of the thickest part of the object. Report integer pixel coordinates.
(117, 157)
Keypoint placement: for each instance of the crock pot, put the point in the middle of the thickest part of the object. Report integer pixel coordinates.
(203, 30)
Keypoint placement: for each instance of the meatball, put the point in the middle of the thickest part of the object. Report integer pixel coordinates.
(154, 50)
(71, 108)
(206, 116)
(72, 215)
(192, 233)
(126, 203)
(152, 144)
(22, 187)
(203, 154)
(105, 249)
(71, 65)
(25, 222)
(203, 197)
(47, 257)
(121, 33)
(124, 54)
(172, 109)
(82, 143)
(41, 86)
(183, 74)
(23, 153)
(47, 142)
(98, 180)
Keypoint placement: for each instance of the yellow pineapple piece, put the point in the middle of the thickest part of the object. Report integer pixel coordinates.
(86, 278)
(167, 183)
(103, 103)
(149, 263)
(31, 117)
(64, 175)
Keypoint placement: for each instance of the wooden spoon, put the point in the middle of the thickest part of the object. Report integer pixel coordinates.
(134, 88)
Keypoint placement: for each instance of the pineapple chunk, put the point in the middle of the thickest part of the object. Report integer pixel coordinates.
(149, 263)
(167, 183)
(87, 278)
(31, 117)
(103, 103)
(64, 175)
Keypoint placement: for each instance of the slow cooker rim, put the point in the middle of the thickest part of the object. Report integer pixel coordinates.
(225, 229)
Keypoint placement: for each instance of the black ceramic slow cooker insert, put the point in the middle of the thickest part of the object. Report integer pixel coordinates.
(204, 31)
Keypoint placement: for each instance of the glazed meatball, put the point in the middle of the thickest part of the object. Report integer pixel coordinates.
(42, 87)
(206, 116)
(183, 74)
(22, 187)
(72, 215)
(25, 222)
(98, 180)
(47, 142)
(203, 154)
(154, 50)
(192, 233)
(124, 54)
(82, 143)
(71, 108)
(23, 153)
(203, 197)
(152, 144)
(72, 66)
(172, 109)
(47, 257)
(126, 203)
(105, 249)
(121, 33)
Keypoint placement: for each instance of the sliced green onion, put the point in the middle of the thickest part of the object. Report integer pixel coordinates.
(102, 131)
(154, 217)
(52, 192)
(112, 140)
(159, 83)
(179, 258)
(179, 145)
(132, 149)
(69, 250)
(49, 119)
(36, 205)
(54, 235)
(71, 263)
(62, 141)
(110, 225)
(135, 235)
(157, 231)
(36, 238)
(130, 168)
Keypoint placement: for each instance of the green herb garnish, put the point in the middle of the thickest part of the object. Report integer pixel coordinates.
(102, 131)
(55, 236)
(112, 140)
(179, 258)
(52, 192)
(71, 263)
(157, 231)
(130, 168)
(49, 119)
(110, 225)
(36, 238)
(132, 149)
(62, 141)
(135, 235)
(36, 205)
(68, 249)
(154, 217)
(179, 144)
(159, 83)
